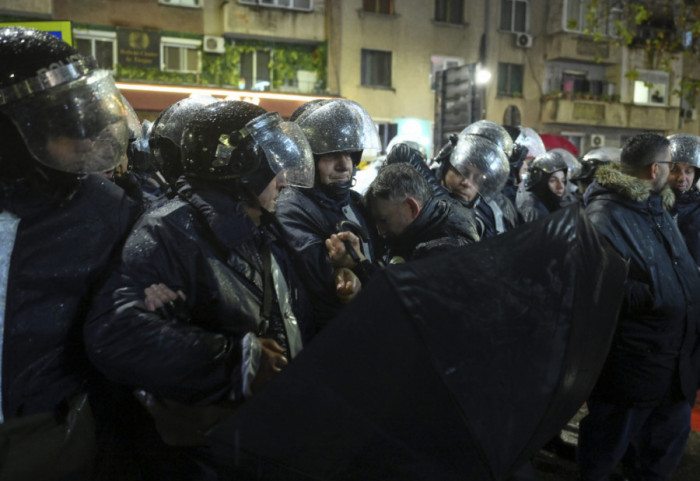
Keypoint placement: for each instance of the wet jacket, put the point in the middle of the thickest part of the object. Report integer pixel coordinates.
(495, 216)
(204, 244)
(658, 327)
(61, 253)
(441, 224)
(308, 217)
(687, 213)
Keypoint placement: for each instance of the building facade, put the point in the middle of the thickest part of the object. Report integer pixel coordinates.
(550, 67)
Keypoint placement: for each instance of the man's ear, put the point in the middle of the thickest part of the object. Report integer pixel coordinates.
(414, 206)
(653, 170)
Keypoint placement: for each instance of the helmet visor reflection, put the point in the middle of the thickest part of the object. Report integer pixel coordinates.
(78, 127)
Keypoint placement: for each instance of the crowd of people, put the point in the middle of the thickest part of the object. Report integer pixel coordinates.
(154, 277)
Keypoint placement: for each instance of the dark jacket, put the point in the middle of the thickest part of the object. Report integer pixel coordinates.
(495, 216)
(539, 202)
(204, 244)
(308, 217)
(60, 255)
(441, 224)
(687, 213)
(657, 333)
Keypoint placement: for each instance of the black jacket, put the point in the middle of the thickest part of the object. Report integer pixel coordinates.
(441, 224)
(657, 333)
(687, 210)
(205, 244)
(61, 253)
(308, 217)
(495, 216)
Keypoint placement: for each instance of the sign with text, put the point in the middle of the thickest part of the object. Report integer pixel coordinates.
(139, 48)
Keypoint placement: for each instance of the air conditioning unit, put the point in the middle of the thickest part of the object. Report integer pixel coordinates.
(523, 40)
(213, 44)
(597, 140)
(182, 3)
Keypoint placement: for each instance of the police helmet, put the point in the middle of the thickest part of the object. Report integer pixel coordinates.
(476, 154)
(493, 132)
(69, 113)
(542, 167)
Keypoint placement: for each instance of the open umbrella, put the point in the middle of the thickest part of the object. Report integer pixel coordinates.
(459, 366)
(558, 142)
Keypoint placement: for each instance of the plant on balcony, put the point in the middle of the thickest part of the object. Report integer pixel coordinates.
(605, 98)
(615, 97)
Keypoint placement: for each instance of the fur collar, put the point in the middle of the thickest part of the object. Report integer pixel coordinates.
(637, 190)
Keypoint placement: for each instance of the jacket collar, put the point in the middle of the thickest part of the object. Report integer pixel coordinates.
(631, 188)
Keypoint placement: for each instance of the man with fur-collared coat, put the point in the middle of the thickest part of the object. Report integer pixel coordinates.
(648, 384)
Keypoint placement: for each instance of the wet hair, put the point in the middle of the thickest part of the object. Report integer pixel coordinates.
(641, 151)
(397, 182)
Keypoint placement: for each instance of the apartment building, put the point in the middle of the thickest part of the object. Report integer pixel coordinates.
(546, 69)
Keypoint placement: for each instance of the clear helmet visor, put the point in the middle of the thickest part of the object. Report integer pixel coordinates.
(532, 141)
(603, 155)
(685, 149)
(340, 126)
(286, 148)
(77, 127)
(575, 167)
(493, 132)
(482, 162)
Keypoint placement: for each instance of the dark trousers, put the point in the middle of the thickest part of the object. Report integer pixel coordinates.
(658, 434)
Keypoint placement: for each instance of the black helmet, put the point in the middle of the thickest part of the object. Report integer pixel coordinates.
(493, 132)
(166, 134)
(339, 126)
(239, 140)
(542, 167)
(69, 113)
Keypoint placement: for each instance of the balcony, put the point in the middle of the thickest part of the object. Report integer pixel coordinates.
(564, 46)
(607, 114)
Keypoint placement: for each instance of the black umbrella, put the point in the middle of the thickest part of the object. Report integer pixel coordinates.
(459, 366)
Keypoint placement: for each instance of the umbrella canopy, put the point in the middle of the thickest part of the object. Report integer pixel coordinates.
(558, 142)
(459, 366)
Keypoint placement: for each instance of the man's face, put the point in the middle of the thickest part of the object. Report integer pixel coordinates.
(467, 187)
(334, 167)
(662, 171)
(268, 197)
(391, 217)
(557, 183)
(681, 176)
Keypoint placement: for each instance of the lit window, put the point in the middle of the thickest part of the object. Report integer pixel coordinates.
(449, 11)
(651, 88)
(255, 70)
(514, 15)
(305, 5)
(180, 55)
(510, 79)
(379, 6)
(376, 68)
(98, 44)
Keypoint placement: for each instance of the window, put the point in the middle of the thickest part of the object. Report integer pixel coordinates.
(651, 88)
(510, 79)
(180, 54)
(376, 68)
(514, 15)
(604, 19)
(101, 45)
(379, 6)
(438, 63)
(255, 70)
(449, 11)
(305, 5)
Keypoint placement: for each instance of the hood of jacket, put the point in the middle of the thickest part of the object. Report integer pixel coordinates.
(611, 178)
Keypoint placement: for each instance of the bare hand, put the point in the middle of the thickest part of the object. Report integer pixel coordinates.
(158, 295)
(347, 284)
(272, 361)
(337, 250)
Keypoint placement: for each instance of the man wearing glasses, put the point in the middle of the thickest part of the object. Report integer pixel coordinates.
(643, 397)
